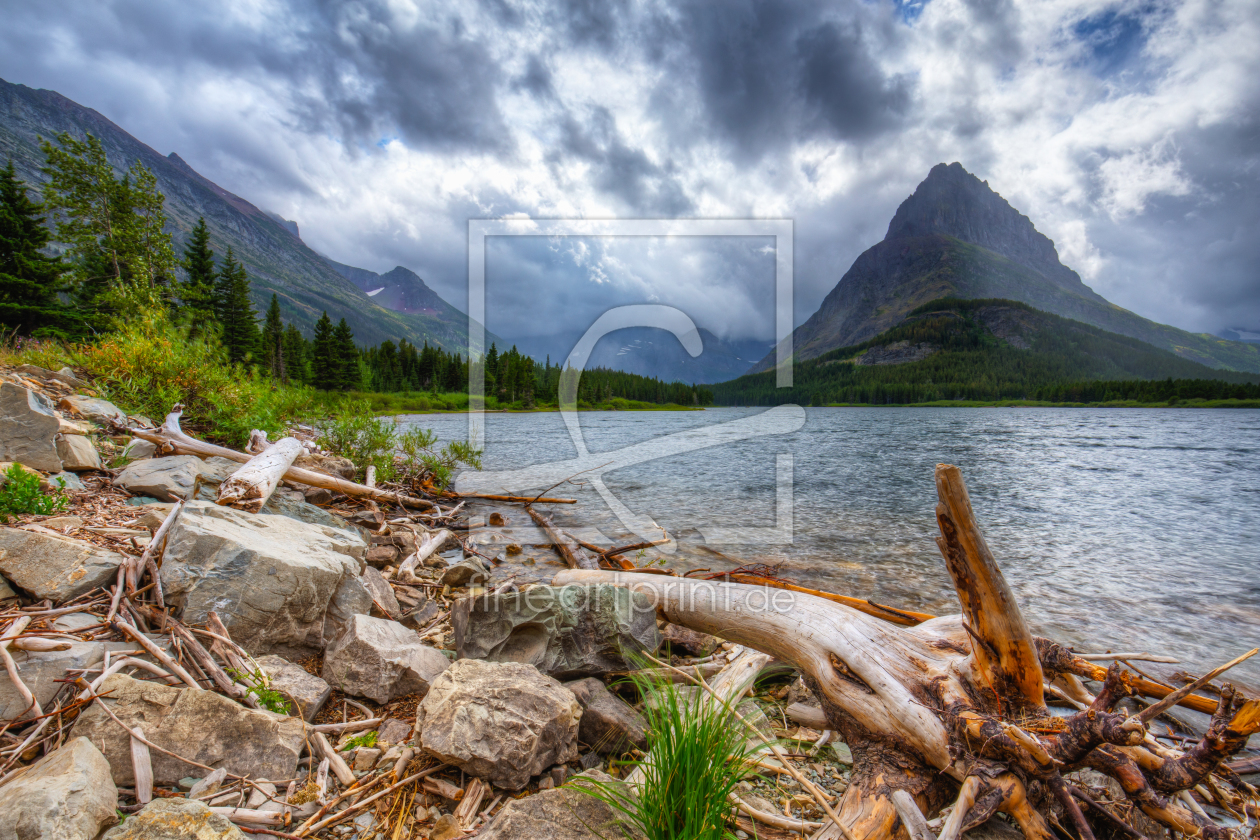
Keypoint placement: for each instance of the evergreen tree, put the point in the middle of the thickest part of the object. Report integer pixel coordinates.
(234, 311)
(273, 341)
(295, 355)
(348, 377)
(324, 356)
(30, 280)
(119, 250)
(196, 295)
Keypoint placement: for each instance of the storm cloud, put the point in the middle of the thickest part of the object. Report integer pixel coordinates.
(1128, 130)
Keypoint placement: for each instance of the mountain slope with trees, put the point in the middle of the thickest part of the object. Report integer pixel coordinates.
(988, 350)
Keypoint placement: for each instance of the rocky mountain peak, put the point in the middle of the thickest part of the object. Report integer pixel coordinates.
(953, 202)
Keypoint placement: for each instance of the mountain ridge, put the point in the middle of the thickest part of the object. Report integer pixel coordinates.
(277, 259)
(954, 236)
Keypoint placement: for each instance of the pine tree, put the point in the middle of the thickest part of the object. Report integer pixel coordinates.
(295, 355)
(324, 356)
(196, 294)
(30, 280)
(234, 311)
(348, 377)
(273, 341)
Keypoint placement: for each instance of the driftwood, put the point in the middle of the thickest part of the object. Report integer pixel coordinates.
(574, 556)
(953, 710)
(251, 486)
(170, 438)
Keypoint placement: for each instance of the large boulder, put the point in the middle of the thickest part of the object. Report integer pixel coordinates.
(566, 631)
(78, 453)
(271, 579)
(68, 795)
(561, 814)
(53, 567)
(609, 724)
(192, 723)
(333, 465)
(297, 685)
(40, 671)
(168, 479)
(28, 429)
(503, 722)
(380, 659)
(175, 819)
(101, 412)
(282, 504)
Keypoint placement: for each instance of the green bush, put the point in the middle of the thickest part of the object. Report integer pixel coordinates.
(20, 494)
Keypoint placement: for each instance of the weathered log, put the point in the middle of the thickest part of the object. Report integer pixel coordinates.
(171, 439)
(574, 556)
(952, 709)
(251, 486)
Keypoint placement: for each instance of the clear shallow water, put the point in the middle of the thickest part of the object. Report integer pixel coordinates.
(1116, 528)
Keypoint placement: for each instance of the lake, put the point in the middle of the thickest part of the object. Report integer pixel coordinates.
(1116, 528)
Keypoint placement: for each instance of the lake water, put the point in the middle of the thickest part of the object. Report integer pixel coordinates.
(1116, 528)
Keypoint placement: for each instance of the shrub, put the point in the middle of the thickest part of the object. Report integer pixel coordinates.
(20, 494)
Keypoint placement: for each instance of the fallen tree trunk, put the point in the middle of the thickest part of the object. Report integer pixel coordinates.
(952, 710)
(574, 556)
(171, 439)
(251, 486)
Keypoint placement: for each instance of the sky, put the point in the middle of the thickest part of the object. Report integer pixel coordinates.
(1129, 132)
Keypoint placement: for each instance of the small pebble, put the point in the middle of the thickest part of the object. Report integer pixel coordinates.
(546, 783)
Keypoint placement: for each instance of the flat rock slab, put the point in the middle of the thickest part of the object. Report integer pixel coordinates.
(565, 631)
(77, 453)
(138, 449)
(68, 795)
(196, 724)
(503, 722)
(380, 659)
(271, 579)
(40, 671)
(168, 479)
(298, 685)
(175, 819)
(28, 429)
(58, 568)
(609, 724)
(282, 503)
(561, 814)
(97, 410)
(382, 593)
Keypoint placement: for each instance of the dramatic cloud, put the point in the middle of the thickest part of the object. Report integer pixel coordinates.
(1128, 130)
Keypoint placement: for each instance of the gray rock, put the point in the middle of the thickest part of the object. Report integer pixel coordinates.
(503, 722)
(175, 819)
(68, 795)
(271, 579)
(566, 631)
(40, 670)
(365, 758)
(425, 612)
(137, 450)
(219, 468)
(463, 573)
(59, 568)
(298, 685)
(684, 640)
(7, 593)
(196, 724)
(28, 429)
(393, 731)
(78, 453)
(381, 556)
(381, 660)
(66, 481)
(560, 814)
(328, 465)
(169, 479)
(97, 410)
(609, 724)
(382, 593)
(75, 622)
(282, 503)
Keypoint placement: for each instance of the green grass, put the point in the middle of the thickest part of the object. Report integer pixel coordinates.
(458, 402)
(20, 494)
(698, 758)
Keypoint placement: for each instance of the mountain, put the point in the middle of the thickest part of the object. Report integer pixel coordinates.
(270, 248)
(657, 353)
(399, 290)
(980, 349)
(956, 237)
